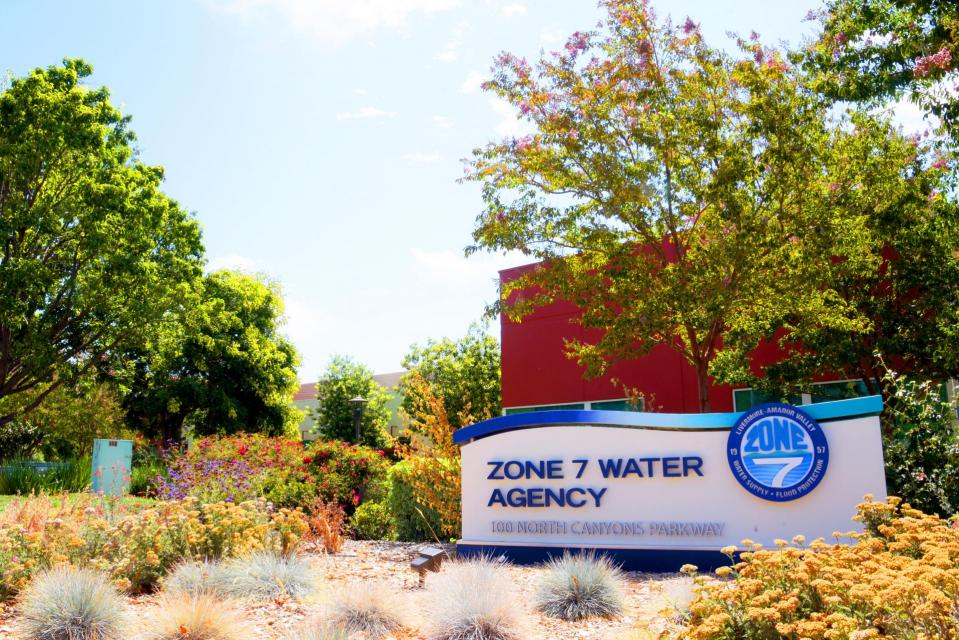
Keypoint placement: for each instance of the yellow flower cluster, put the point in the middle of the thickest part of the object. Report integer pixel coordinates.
(897, 579)
(136, 546)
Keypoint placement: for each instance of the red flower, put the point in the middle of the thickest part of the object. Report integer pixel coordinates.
(242, 450)
(307, 459)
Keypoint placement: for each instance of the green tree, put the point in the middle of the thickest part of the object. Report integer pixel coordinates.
(343, 380)
(90, 250)
(911, 301)
(217, 366)
(877, 50)
(677, 196)
(71, 417)
(464, 374)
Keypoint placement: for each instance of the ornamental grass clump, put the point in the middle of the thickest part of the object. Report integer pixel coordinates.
(194, 616)
(897, 579)
(194, 576)
(472, 600)
(373, 610)
(578, 586)
(318, 631)
(264, 576)
(65, 603)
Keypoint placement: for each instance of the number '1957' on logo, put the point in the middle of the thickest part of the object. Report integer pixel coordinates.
(777, 452)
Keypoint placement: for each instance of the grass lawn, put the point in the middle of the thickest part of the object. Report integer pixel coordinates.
(72, 497)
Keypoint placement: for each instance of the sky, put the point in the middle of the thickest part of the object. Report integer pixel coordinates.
(320, 142)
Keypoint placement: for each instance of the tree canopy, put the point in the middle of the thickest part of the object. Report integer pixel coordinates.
(219, 365)
(877, 50)
(91, 250)
(343, 380)
(679, 196)
(464, 374)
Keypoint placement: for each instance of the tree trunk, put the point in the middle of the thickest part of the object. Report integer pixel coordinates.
(702, 382)
(173, 430)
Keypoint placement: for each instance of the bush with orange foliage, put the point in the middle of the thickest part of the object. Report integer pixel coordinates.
(433, 458)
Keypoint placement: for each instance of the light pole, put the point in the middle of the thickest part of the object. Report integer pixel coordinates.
(358, 404)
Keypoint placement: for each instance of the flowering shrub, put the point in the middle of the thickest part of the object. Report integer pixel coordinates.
(279, 470)
(135, 545)
(347, 474)
(898, 579)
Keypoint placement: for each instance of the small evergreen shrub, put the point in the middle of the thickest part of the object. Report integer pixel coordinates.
(194, 616)
(372, 610)
(472, 600)
(372, 521)
(65, 603)
(264, 576)
(413, 519)
(578, 586)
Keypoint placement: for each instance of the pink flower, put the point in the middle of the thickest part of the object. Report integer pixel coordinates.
(689, 26)
(841, 38)
(577, 43)
(939, 60)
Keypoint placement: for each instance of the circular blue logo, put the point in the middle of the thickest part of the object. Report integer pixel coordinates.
(777, 452)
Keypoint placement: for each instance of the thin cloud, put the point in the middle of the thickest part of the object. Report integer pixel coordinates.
(472, 82)
(233, 262)
(510, 124)
(334, 22)
(442, 122)
(365, 113)
(451, 51)
(422, 157)
(513, 10)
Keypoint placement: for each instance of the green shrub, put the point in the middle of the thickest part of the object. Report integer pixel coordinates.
(413, 520)
(921, 446)
(143, 479)
(66, 603)
(578, 586)
(21, 477)
(372, 521)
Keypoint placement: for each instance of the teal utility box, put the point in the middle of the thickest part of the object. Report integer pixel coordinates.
(112, 466)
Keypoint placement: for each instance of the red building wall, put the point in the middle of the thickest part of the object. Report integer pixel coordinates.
(537, 371)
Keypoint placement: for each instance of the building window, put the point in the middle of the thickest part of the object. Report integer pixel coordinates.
(745, 399)
(601, 405)
(545, 407)
(617, 405)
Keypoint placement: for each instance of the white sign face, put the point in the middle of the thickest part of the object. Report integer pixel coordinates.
(588, 486)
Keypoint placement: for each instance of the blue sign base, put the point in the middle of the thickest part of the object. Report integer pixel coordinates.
(649, 560)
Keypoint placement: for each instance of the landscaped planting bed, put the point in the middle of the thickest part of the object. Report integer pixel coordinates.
(364, 564)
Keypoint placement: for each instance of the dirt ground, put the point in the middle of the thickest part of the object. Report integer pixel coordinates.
(647, 596)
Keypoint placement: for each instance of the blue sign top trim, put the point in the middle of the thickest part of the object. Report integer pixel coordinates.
(821, 412)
